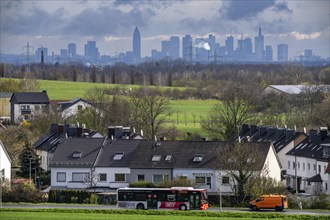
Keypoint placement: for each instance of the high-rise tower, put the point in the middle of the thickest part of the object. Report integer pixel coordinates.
(136, 46)
(259, 46)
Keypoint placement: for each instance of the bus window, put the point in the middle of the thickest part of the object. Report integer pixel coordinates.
(171, 197)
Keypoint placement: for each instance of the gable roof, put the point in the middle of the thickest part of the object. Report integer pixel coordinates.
(111, 147)
(30, 97)
(297, 89)
(183, 154)
(279, 137)
(89, 148)
(4, 149)
(62, 105)
(313, 147)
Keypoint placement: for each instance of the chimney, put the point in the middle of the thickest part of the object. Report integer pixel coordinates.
(312, 134)
(53, 128)
(323, 134)
(79, 132)
(244, 128)
(111, 132)
(72, 132)
(60, 129)
(262, 131)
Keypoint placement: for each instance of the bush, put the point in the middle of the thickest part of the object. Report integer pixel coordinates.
(22, 193)
(320, 202)
(316, 202)
(72, 196)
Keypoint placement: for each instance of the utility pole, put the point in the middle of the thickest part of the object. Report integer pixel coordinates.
(30, 171)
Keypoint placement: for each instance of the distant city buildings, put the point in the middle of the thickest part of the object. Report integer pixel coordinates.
(192, 50)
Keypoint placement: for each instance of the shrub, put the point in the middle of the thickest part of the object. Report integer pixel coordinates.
(320, 202)
(22, 193)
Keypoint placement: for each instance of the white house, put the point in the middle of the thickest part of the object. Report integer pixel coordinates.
(71, 108)
(5, 163)
(307, 164)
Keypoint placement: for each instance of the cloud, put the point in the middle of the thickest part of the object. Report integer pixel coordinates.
(282, 6)
(242, 9)
(301, 36)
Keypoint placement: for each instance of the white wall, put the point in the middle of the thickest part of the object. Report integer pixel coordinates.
(271, 163)
(73, 110)
(5, 162)
(111, 171)
(68, 180)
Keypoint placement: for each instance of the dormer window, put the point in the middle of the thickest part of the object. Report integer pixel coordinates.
(231, 160)
(198, 158)
(155, 158)
(118, 156)
(76, 154)
(168, 158)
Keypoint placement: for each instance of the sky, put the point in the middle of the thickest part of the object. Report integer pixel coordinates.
(303, 24)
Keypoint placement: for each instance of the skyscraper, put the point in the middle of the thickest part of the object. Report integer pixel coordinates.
(282, 52)
(259, 46)
(269, 53)
(136, 46)
(72, 50)
(91, 51)
(187, 51)
(229, 45)
(171, 48)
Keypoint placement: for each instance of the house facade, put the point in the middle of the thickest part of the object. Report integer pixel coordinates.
(70, 108)
(117, 163)
(307, 164)
(5, 164)
(23, 105)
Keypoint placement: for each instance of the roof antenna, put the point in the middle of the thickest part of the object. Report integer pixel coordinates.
(305, 130)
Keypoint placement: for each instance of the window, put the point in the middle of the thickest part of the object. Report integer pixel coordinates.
(79, 107)
(200, 180)
(168, 158)
(231, 160)
(314, 166)
(140, 177)
(198, 158)
(61, 177)
(326, 187)
(309, 166)
(103, 177)
(159, 178)
(118, 156)
(156, 158)
(225, 180)
(288, 164)
(293, 165)
(76, 154)
(319, 168)
(303, 166)
(37, 107)
(79, 177)
(120, 177)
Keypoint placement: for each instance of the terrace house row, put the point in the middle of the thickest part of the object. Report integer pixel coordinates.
(119, 162)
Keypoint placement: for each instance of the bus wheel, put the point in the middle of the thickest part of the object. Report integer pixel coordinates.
(183, 207)
(140, 206)
(254, 208)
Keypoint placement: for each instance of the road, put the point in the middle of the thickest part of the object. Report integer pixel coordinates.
(214, 209)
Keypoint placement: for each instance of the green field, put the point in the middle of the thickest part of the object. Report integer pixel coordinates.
(45, 214)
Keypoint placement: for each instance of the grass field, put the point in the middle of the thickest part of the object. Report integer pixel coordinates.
(46, 214)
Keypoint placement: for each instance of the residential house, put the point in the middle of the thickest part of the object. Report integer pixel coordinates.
(46, 145)
(197, 160)
(23, 105)
(5, 164)
(70, 108)
(73, 162)
(307, 164)
(283, 139)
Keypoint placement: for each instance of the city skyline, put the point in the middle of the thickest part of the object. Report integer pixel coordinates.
(110, 23)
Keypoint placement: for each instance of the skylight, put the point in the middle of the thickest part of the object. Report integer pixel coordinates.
(156, 158)
(76, 154)
(198, 158)
(118, 156)
(168, 158)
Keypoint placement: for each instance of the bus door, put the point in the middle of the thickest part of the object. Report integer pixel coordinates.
(195, 200)
(152, 201)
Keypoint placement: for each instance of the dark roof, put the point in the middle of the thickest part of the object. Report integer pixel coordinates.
(314, 146)
(183, 153)
(279, 137)
(30, 97)
(88, 147)
(111, 147)
(67, 104)
(316, 178)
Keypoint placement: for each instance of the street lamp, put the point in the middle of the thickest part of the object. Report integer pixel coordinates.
(220, 193)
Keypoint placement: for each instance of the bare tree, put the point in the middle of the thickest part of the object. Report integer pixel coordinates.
(149, 113)
(243, 163)
(226, 117)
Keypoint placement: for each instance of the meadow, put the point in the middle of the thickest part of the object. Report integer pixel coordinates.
(45, 214)
(185, 114)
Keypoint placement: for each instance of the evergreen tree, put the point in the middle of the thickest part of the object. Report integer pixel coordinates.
(29, 157)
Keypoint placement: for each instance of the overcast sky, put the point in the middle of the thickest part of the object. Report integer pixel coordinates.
(303, 24)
